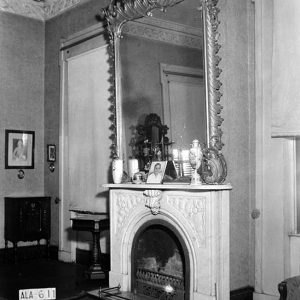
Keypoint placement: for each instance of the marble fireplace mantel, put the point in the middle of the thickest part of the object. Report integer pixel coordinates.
(200, 215)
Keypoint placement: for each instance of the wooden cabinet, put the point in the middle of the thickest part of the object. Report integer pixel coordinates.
(27, 219)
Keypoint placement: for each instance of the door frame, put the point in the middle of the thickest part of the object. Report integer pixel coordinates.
(66, 247)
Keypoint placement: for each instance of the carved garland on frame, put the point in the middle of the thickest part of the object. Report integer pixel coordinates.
(213, 169)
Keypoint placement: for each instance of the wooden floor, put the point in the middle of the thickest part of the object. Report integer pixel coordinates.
(68, 279)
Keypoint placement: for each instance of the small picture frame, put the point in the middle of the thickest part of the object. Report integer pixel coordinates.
(156, 172)
(51, 153)
(19, 149)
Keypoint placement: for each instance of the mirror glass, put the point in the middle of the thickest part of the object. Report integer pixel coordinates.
(162, 73)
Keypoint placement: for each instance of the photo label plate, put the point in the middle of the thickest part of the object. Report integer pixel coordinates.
(37, 294)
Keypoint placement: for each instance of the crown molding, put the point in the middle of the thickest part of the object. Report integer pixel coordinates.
(165, 31)
(55, 7)
(38, 10)
(27, 8)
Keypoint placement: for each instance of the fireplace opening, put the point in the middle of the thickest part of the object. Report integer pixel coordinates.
(159, 263)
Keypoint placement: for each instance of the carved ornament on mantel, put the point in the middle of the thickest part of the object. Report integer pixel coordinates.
(153, 198)
(126, 203)
(193, 208)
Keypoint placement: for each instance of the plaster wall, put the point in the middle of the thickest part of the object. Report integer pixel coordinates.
(237, 52)
(22, 100)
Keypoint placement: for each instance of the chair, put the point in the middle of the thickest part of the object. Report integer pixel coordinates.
(289, 289)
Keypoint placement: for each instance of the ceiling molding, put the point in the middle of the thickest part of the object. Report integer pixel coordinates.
(38, 10)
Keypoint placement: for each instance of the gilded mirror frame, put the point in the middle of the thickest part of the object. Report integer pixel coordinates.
(213, 168)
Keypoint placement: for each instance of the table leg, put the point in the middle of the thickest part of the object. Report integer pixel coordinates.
(95, 271)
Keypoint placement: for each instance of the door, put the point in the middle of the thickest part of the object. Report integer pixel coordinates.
(184, 106)
(85, 135)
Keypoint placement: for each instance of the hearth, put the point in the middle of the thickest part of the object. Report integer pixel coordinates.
(158, 263)
(192, 220)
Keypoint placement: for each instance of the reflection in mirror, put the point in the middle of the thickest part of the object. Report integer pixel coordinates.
(161, 63)
(151, 143)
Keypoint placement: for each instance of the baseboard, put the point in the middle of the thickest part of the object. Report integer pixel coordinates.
(258, 296)
(28, 252)
(245, 293)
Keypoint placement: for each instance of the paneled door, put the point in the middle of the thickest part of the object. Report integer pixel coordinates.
(184, 107)
(85, 134)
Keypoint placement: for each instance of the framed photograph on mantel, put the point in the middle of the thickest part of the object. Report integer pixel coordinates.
(19, 149)
(156, 172)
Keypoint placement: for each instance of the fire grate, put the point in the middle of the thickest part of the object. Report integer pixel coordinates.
(159, 286)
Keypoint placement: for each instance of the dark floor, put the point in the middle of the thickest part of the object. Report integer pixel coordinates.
(68, 279)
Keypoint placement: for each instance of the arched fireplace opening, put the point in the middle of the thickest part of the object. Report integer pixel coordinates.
(160, 262)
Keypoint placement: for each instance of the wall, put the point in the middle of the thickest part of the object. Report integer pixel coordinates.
(237, 52)
(58, 28)
(22, 100)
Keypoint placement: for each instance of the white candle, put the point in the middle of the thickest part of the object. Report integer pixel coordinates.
(133, 167)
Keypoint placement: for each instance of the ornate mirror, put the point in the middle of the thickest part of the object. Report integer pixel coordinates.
(169, 70)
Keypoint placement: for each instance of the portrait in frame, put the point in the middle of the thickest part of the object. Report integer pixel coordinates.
(51, 153)
(19, 149)
(156, 172)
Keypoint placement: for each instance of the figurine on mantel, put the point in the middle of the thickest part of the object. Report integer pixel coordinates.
(195, 157)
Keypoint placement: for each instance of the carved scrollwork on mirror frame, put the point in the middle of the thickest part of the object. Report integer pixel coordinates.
(213, 169)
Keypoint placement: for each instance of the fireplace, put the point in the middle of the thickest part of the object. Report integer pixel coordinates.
(158, 262)
(193, 221)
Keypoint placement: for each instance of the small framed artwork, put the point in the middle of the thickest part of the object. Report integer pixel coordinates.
(51, 153)
(156, 172)
(19, 149)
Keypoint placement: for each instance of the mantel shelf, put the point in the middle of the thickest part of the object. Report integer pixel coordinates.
(187, 187)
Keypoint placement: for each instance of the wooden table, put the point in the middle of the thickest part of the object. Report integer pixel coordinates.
(95, 223)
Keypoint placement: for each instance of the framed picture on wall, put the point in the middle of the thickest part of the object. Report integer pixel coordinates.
(51, 153)
(19, 149)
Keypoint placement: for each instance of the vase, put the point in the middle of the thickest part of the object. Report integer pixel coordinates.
(117, 170)
(195, 158)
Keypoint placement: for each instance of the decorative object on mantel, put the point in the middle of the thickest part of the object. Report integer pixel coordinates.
(153, 198)
(19, 149)
(138, 178)
(133, 167)
(195, 157)
(117, 170)
(156, 172)
(213, 169)
(152, 142)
